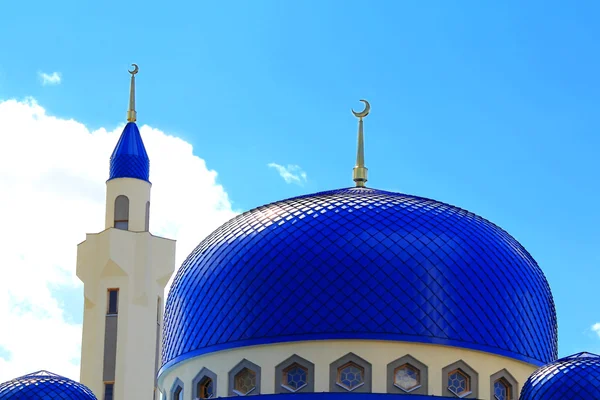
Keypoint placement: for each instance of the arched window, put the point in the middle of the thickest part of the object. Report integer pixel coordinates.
(503, 386)
(177, 394)
(350, 374)
(460, 380)
(204, 385)
(177, 390)
(122, 212)
(244, 379)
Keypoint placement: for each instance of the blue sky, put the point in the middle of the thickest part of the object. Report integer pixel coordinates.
(490, 106)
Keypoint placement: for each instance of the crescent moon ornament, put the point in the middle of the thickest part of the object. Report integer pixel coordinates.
(135, 69)
(364, 112)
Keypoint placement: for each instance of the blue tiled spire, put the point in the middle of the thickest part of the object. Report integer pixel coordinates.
(129, 159)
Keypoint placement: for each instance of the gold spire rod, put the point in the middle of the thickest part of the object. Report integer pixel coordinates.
(359, 173)
(131, 114)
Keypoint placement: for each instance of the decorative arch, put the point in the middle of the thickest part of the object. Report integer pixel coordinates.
(201, 383)
(501, 379)
(176, 392)
(244, 379)
(457, 374)
(407, 375)
(350, 364)
(121, 220)
(295, 375)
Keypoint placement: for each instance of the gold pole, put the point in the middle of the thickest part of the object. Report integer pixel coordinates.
(131, 114)
(359, 173)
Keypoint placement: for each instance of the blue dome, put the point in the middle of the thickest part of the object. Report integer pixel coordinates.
(570, 378)
(129, 159)
(360, 264)
(44, 385)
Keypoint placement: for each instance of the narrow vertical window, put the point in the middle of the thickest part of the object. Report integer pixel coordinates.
(108, 390)
(158, 311)
(113, 302)
(122, 212)
(157, 343)
(147, 216)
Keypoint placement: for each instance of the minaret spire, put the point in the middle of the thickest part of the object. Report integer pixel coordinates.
(359, 173)
(131, 114)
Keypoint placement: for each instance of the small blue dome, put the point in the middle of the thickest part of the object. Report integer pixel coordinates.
(44, 385)
(576, 377)
(129, 159)
(360, 264)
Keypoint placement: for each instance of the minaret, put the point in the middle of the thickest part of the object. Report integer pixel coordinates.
(359, 173)
(124, 270)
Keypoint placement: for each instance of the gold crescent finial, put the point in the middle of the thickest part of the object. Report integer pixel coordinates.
(135, 69)
(131, 114)
(364, 112)
(359, 173)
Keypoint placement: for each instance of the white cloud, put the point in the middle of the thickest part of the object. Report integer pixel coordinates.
(52, 180)
(596, 328)
(291, 173)
(50, 79)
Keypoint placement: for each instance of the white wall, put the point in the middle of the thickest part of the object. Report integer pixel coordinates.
(323, 353)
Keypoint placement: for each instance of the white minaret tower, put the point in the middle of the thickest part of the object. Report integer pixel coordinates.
(124, 270)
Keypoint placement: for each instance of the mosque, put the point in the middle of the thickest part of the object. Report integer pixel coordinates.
(354, 293)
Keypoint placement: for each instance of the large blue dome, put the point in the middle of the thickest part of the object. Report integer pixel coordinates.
(576, 377)
(360, 264)
(44, 385)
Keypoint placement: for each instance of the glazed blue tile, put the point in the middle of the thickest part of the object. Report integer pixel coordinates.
(576, 377)
(374, 265)
(44, 385)
(129, 158)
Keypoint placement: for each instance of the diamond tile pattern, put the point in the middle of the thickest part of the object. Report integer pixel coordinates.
(44, 385)
(576, 377)
(129, 158)
(360, 263)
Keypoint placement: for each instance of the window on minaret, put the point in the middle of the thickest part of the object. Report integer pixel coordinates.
(147, 216)
(122, 212)
(108, 390)
(113, 302)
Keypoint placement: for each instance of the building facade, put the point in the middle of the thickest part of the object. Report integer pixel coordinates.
(349, 292)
